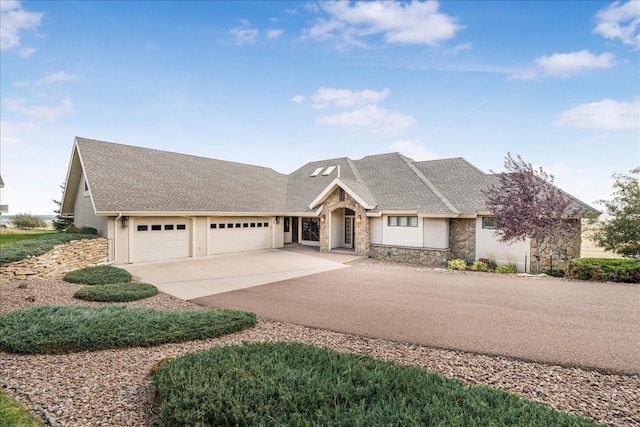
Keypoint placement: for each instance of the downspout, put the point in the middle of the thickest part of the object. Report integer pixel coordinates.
(115, 238)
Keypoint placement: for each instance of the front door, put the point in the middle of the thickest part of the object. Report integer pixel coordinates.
(348, 232)
(294, 229)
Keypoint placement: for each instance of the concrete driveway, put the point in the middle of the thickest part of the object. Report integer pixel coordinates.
(592, 325)
(196, 277)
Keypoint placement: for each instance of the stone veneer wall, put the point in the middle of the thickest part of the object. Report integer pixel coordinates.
(563, 249)
(362, 225)
(462, 238)
(435, 258)
(62, 259)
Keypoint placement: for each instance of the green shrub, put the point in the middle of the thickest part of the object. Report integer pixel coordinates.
(457, 264)
(556, 272)
(67, 329)
(100, 275)
(72, 229)
(601, 269)
(507, 269)
(293, 384)
(25, 220)
(480, 266)
(117, 292)
(35, 247)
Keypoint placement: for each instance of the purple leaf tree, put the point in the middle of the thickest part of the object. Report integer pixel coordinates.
(526, 204)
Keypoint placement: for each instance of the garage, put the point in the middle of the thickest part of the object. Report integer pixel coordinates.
(239, 234)
(161, 238)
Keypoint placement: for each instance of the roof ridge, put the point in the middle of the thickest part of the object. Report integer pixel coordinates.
(354, 169)
(429, 184)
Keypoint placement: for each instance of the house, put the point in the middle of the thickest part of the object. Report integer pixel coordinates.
(155, 205)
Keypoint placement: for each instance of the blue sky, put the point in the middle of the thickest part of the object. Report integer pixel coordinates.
(279, 84)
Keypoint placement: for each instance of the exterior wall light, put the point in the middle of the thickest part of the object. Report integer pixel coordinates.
(124, 220)
(277, 220)
(322, 218)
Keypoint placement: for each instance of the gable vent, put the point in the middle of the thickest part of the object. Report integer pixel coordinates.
(316, 172)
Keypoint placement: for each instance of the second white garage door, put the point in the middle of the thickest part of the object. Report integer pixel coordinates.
(161, 238)
(238, 234)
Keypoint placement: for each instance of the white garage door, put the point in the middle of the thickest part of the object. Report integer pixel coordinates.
(161, 238)
(238, 234)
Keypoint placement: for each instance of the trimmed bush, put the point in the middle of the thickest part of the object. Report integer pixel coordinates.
(117, 292)
(68, 329)
(507, 269)
(480, 266)
(601, 269)
(36, 247)
(556, 272)
(293, 384)
(100, 275)
(81, 230)
(457, 264)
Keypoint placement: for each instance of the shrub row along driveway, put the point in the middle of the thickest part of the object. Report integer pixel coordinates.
(591, 325)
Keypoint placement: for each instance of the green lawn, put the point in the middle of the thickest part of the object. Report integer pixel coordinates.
(13, 414)
(12, 236)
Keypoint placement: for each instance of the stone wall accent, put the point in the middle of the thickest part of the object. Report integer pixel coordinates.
(62, 259)
(362, 225)
(563, 249)
(462, 238)
(435, 258)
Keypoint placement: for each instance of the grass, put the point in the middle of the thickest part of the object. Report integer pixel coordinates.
(117, 292)
(292, 384)
(15, 415)
(68, 329)
(9, 236)
(36, 246)
(100, 275)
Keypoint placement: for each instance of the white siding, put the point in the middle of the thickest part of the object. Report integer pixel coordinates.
(83, 213)
(376, 230)
(488, 246)
(401, 236)
(436, 233)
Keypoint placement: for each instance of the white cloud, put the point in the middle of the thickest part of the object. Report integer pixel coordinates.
(58, 77)
(39, 112)
(412, 149)
(345, 98)
(458, 48)
(12, 133)
(620, 21)
(604, 115)
(565, 64)
(244, 35)
(375, 119)
(274, 33)
(27, 52)
(14, 20)
(298, 99)
(417, 22)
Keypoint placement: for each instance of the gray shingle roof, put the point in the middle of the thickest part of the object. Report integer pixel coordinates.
(123, 178)
(132, 179)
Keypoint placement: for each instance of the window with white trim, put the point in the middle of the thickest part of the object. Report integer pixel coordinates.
(489, 222)
(402, 221)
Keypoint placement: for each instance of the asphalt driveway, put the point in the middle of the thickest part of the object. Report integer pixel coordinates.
(591, 325)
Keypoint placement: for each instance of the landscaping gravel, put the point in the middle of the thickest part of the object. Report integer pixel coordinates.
(113, 387)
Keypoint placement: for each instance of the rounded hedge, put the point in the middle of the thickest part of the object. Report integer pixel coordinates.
(117, 292)
(100, 275)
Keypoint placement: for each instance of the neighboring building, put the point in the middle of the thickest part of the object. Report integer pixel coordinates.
(155, 205)
(3, 208)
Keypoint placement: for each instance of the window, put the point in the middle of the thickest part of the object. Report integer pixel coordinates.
(311, 229)
(253, 225)
(181, 227)
(229, 225)
(238, 225)
(341, 195)
(143, 228)
(287, 225)
(259, 224)
(402, 221)
(266, 224)
(316, 172)
(328, 170)
(489, 222)
(245, 225)
(221, 225)
(156, 227)
(214, 226)
(168, 226)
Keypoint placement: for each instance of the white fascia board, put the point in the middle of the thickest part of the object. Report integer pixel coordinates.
(191, 214)
(438, 215)
(331, 187)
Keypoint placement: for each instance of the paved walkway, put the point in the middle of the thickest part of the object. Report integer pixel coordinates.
(592, 325)
(196, 277)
